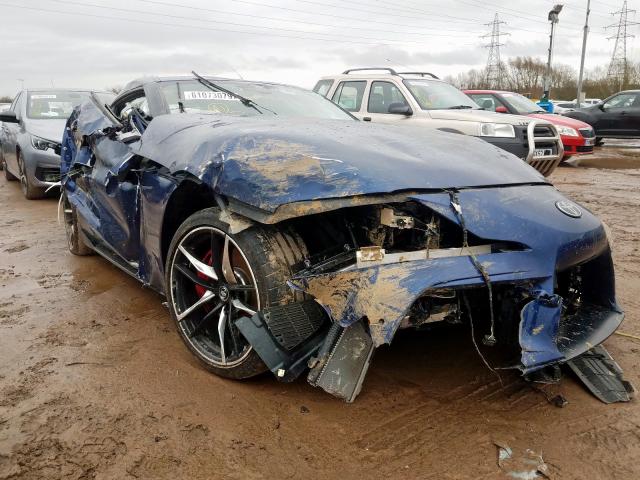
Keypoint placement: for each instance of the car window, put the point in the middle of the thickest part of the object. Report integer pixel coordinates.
(623, 100)
(383, 94)
(437, 95)
(486, 101)
(53, 104)
(521, 104)
(125, 109)
(14, 104)
(190, 96)
(349, 95)
(323, 87)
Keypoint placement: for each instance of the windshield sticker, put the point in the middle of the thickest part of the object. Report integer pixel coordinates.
(43, 96)
(209, 95)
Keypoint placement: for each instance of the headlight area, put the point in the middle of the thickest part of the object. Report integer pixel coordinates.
(502, 130)
(44, 145)
(567, 131)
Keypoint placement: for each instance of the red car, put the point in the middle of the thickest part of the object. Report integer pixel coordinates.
(578, 137)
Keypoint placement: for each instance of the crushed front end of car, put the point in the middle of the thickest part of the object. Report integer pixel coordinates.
(535, 264)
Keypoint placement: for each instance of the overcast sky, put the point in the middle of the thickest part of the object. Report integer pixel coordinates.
(100, 43)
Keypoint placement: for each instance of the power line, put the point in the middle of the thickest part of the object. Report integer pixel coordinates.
(302, 22)
(618, 67)
(180, 17)
(200, 27)
(495, 67)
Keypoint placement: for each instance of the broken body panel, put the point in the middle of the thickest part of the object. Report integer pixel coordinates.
(270, 170)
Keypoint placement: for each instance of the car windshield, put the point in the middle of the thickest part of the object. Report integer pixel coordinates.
(435, 95)
(522, 104)
(53, 104)
(269, 99)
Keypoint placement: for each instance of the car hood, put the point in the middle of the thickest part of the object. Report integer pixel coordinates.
(49, 129)
(268, 162)
(470, 115)
(561, 120)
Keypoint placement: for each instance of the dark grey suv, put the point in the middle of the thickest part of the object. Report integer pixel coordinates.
(30, 136)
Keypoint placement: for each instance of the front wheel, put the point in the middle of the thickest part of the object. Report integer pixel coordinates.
(213, 277)
(30, 192)
(76, 240)
(7, 174)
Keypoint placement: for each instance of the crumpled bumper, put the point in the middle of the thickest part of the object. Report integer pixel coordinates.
(546, 337)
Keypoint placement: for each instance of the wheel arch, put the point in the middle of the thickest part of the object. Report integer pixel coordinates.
(189, 197)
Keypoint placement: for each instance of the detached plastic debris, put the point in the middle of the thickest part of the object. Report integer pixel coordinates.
(602, 375)
(526, 466)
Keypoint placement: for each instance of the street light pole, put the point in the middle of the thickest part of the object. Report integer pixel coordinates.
(584, 50)
(553, 18)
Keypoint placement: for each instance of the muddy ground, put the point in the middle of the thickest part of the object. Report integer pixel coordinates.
(95, 383)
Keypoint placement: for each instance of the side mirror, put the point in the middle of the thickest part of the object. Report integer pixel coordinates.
(502, 109)
(9, 117)
(398, 108)
(601, 106)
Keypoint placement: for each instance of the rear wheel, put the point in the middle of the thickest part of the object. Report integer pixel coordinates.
(599, 142)
(30, 192)
(213, 277)
(76, 240)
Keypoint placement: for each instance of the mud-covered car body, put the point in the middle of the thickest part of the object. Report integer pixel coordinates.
(393, 229)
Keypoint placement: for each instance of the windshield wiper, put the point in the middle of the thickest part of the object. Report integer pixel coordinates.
(460, 107)
(245, 101)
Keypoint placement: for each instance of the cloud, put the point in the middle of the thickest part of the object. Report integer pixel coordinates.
(85, 50)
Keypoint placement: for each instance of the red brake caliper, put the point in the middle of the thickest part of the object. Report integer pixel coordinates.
(208, 259)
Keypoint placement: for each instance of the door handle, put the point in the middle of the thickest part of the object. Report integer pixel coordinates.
(366, 119)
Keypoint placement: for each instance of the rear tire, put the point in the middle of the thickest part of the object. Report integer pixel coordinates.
(76, 240)
(30, 192)
(261, 258)
(599, 142)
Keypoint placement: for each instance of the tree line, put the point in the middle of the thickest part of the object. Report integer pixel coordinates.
(526, 75)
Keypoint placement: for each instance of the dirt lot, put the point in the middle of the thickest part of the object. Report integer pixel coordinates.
(95, 383)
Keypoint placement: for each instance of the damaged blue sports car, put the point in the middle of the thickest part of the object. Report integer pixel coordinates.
(288, 236)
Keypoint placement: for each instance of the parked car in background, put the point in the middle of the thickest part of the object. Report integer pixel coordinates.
(382, 95)
(578, 138)
(588, 101)
(560, 107)
(3, 107)
(31, 134)
(287, 236)
(616, 117)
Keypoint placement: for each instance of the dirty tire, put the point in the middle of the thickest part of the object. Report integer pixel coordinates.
(76, 240)
(7, 174)
(262, 257)
(30, 192)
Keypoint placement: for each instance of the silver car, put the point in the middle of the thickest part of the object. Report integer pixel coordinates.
(31, 133)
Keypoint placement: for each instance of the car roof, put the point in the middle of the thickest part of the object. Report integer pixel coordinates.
(357, 73)
(141, 81)
(484, 91)
(28, 90)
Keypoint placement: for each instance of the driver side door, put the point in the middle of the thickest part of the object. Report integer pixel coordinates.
(617, 117)
(382, 95)
(111, 183)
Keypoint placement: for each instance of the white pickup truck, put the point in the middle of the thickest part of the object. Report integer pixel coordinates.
(420, 98)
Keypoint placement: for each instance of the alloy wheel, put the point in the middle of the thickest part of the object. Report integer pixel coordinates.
(211, 286)
(23, 176)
